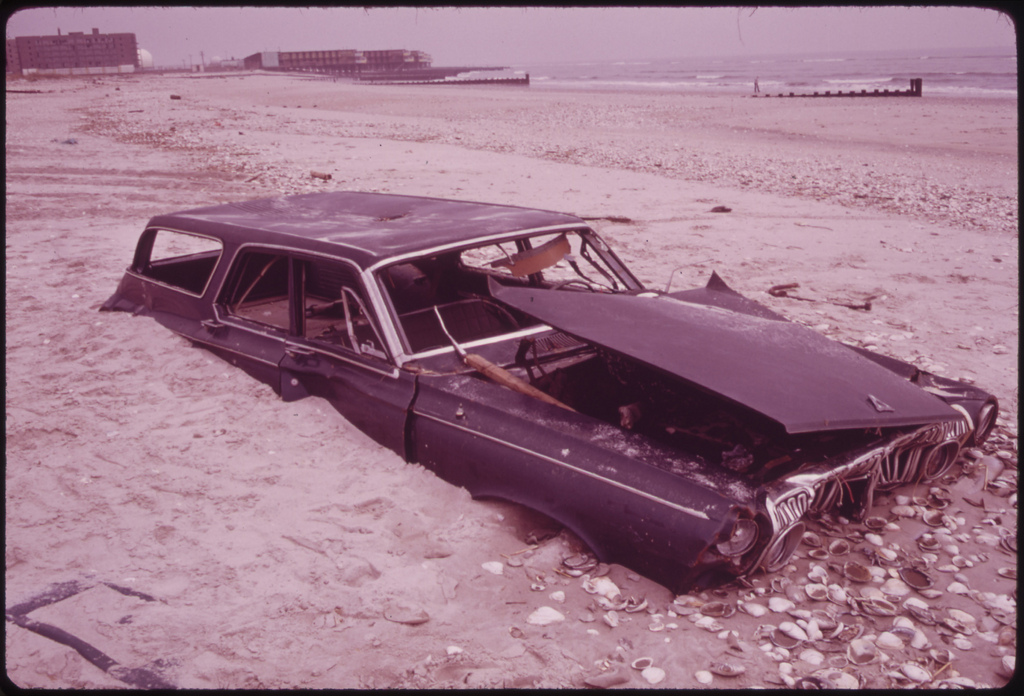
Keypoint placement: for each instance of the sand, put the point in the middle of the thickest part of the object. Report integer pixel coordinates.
(275, 538)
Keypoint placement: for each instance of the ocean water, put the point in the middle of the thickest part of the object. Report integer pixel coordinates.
(960, 72)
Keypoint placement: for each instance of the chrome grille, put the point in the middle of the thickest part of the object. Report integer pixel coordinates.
(789, 510)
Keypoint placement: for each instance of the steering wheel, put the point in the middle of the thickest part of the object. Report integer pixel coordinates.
(576, 281)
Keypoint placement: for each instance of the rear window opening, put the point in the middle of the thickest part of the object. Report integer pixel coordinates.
(180, 260)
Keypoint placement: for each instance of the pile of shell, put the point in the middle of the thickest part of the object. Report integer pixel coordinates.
(856, 609)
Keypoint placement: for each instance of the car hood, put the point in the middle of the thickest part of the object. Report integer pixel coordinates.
(784, 371)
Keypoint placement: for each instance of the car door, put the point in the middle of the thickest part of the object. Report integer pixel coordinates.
(335, 351)
(605, 484)
(254, 315)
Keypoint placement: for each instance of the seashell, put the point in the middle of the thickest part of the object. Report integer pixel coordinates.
(845, 633)
(716, 609)
(811, 657)
(1008, 666)
(839, 547)
(916, 672)
(1009, 573)
(780, 583)
(588, 617)
(545, 616)
(875, 523)
(726, 669)
(816, 591)
(656, 626)
(602, 586)
(753, 608)
(934, 518)
(962, 644)
(840, 679)
(783, 640)
(825, 621)
(606, 680)
(1009, 543)
(811, 539)
(653, 675)
(874, 539)
(958, 588)
(709, 624)
(793, 631)
(903, 511)
(920, 640)
(836, 594)
(917, 579)
(611, 618)
(895, 587)
(496, 567)
(861, 652)
(634, 605)
(780, 604)
(818, 554)
(838, 661)
(818, 573)
(963, 617)
(642, 663)
(871, 592)
(941, 656)
(687, 601)
(878, 607)
(939, 498)
(928, 542)
(579, 561)
(796, 593)
(887, 556)
(930, 593)
(856, 572)
(609, 605)
(704, 677)
(889, 641)
(961, 562)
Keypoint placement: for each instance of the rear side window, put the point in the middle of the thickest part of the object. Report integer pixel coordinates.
(181, 260)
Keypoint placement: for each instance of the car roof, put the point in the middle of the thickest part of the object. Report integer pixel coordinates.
(364, 227)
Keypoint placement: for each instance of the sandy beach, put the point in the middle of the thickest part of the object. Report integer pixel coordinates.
(272, 540)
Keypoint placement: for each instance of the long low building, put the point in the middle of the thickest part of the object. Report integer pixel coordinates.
(344, 61)
(75, 53)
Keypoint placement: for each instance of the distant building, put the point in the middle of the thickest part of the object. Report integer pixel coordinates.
(343, 62)
(75, 53)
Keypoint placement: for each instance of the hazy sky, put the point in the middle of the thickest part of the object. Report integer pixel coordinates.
(520, 36)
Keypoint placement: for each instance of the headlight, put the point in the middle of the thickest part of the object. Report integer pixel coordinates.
(783, 548)
(743, 538)
(937, 460)
(986, 421)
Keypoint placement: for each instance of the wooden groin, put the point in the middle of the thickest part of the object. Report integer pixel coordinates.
(914, 91)
(506, 81)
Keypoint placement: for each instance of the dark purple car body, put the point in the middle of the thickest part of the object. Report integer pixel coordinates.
(509, 350)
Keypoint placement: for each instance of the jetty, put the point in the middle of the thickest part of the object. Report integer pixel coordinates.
(506, 81)
(443, 76)
(914, 91)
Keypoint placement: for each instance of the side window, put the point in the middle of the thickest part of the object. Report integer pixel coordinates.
(258, 289)
(181, 260)
(335, 312)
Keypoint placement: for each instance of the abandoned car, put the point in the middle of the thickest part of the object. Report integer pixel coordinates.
(686, 435)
